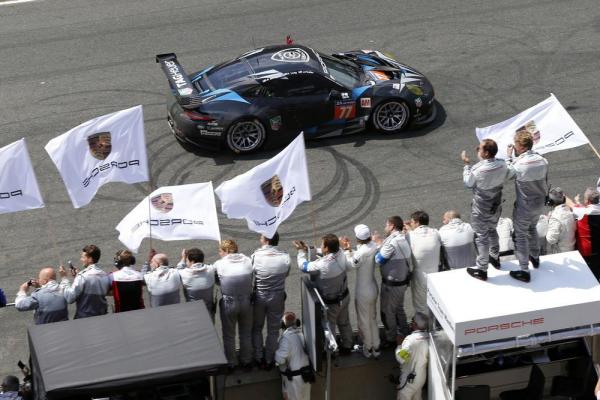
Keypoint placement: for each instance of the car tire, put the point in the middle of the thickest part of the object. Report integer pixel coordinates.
(390, 116)
(246, 136)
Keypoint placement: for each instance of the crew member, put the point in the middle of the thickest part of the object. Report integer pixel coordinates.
(47, 299)
(486, 179)
(163, 283)
(293, 361)
(529, 170)
(89, 287)
(458, 250)
(562, 224)
(271, 268)
(363, 259)
(235, 275)
(10, 388)
(198, 279)
(588, 228)
(331, 283)
(395, 260)
(126, 283)
(413, 355)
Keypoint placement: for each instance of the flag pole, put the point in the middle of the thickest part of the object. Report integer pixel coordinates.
(150, 211)
(594, 149)
(314, 224)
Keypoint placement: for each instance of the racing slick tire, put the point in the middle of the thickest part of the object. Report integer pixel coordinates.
(390, 116)
(245, 136)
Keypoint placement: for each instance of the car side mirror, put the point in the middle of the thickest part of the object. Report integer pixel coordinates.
(335, 95)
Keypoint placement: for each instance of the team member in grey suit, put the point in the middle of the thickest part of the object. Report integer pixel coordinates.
(331, 284)
(486, 179)
(163, 283)
(458, 249)
(47, 300)
(235, 275)
(89, 286)
(198, 279)
(271, 267)
(395, 260)
(529, 170)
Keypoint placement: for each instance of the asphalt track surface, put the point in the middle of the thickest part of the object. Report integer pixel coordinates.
(64, 62)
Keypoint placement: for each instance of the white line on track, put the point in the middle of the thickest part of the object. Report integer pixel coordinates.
(8, 2)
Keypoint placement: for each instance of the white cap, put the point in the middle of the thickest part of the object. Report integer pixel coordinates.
(362, 232)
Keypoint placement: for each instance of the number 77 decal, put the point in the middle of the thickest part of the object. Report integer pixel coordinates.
(345, 111)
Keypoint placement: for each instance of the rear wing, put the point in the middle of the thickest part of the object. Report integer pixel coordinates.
(184, 90)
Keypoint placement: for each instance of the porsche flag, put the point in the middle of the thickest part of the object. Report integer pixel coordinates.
(18, 187)
(172, 213)
(268, 194)
(110, 148)
(550, 124)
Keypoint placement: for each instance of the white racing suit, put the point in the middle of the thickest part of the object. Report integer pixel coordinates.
(333, 288)
(457, 244)
(48, 302)
(394, 259)
(363, 259)
(413, 355)
(89, 290)
(291, 355)
(529, 171)
(235, 277)
(425, 243)
(271, 268)
(164, 285)
(562, 226)
(198, 282)
(486, 178)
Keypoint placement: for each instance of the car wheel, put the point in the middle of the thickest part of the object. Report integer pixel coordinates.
(246, 136)
(390, 116)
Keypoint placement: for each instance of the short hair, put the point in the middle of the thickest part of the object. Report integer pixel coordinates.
(397, 222)
(421, 320)
(10, 383)
(125, 257)
(524, 138)
(331, 242)
(421, 217)
(452, 214)
(92, 251)
(489, 146)
(195, 255)
(274, 241)
(591, 195)
(229, 246)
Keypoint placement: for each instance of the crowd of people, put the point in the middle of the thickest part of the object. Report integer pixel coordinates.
(252, 288)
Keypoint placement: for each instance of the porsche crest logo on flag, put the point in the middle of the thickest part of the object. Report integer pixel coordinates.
(163, 202)
(531, 128)
(273, 191)
(100, 145)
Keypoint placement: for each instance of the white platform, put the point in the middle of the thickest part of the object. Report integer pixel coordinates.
(562, 294)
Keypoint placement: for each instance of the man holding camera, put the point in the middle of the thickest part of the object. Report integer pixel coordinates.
(47, 299)
(297, 374)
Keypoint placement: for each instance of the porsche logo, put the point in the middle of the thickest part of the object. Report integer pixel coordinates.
(291, 55)
(162, 202)
(100, 145)
(273, 191)
(531, 128)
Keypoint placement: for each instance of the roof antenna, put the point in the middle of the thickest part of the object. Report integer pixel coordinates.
(289, 40)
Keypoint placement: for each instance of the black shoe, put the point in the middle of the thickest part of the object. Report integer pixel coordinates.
(269, 366)
(495, 261)
(535, 262)
(521, 275)
(261, 364)
(477, 273)
(247, 367)
(345, 351)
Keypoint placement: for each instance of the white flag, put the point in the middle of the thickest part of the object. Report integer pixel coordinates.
(172, 213)
(110, 148)
(550, 124)
(267, 194)
(18, 187)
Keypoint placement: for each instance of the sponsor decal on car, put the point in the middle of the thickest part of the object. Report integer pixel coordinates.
(211, 132)
(162, 202)
(275, 123)
(185, 92)
(396, 86)
(365, 102)
(176, 75)
(418, 102)
(530, 127)
(100, 145)
(345, 95)
(379, 75)
(272, 190)
(325, 70)
(294, 55)
(344, 110)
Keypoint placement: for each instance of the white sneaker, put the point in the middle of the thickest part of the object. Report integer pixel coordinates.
(375, 354)
(366, 352)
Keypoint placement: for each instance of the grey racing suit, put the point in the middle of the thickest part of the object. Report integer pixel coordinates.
(48, 302)
(332, 285)
(413, 356)
(529, 170)
(271, 268)
(89, 289)
(198, 282)
(457, 244)
(164, 286)
(486, 179)
(395, 261)
(291, 355)
(425, 244)
(235, 275)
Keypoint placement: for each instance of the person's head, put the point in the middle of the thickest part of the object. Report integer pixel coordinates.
(449, 216)
(90, 254)
(523, 141)
(46, 275)
(420, 321)
(591, 196)
(330, 244)
(159, 260)
(10, 384)
(362, 233)
(124, 258)
(419, 218)
(487, 149)
(227, 246)
(556, 196)
(194, 256)
(274, 241)
(289, 320)
(393, 223)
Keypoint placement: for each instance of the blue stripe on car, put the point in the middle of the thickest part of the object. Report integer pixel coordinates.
(357, 92)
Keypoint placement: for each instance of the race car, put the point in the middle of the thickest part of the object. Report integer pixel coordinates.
(282, 90)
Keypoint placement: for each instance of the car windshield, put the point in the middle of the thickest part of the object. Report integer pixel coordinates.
(221, 78)
(343, 73)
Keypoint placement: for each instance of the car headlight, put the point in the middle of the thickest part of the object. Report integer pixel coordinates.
(414, 89)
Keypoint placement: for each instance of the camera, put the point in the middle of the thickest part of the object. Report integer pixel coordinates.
(30, 282)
